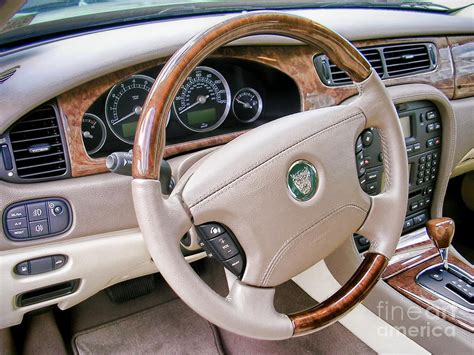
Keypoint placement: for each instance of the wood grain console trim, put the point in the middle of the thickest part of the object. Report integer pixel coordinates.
(462, 49)
(295, 61)
(346, 298)
(405, 284)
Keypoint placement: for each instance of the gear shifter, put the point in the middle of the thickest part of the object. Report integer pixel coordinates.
(441, 232)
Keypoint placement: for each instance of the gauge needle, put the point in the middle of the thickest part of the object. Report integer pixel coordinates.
(136, 111)
(246, 104)
(87, 134)
(200, 100)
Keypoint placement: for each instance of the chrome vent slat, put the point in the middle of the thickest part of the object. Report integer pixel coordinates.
(37, 145)
(388, 61)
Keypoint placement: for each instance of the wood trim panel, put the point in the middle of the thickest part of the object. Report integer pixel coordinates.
(462, 49)
(346, 298)
(295, 61)
(405, 284)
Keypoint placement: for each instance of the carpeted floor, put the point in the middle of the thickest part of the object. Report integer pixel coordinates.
(168, 326)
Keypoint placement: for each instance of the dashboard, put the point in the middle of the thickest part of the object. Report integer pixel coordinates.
(96, 100)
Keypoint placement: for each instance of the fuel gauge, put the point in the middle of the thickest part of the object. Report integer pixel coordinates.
(94, 133)
(247, 105)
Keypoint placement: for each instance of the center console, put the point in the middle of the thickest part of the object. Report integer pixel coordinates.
(421, 125)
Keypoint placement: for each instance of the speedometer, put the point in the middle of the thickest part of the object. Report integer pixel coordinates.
(203, 101)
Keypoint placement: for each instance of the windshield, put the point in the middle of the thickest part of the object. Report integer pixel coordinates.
(40, 18)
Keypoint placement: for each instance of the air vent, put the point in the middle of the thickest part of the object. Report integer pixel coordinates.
(388, 61)
(37, 146)
(407, 59)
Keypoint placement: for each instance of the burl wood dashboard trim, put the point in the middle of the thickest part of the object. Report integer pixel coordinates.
(346, 298)
(295, 61)
(405, 283)
(462, 49)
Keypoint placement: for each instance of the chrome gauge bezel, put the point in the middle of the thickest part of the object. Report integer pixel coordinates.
(104, 133)
(227, 104)
(107, 116)
(259, 101)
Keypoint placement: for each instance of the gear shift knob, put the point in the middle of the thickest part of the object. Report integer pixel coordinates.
(441, 232)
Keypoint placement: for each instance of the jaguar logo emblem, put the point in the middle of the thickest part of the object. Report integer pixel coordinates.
(302, 180)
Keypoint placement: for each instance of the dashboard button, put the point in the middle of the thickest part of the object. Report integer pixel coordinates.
(38, 228)
(58, 216)
(36, 211)
(19, 233)
(16, 212)
(58, 261)
(41, 265)
(16, 223)
(22, 268)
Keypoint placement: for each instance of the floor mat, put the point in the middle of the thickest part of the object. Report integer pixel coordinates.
(171, 328)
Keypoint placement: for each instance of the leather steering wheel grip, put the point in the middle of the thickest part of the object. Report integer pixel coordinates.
(247, 310)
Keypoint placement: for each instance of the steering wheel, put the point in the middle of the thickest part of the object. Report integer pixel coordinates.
(288, 191)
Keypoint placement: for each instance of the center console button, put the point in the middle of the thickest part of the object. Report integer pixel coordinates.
(36, 211)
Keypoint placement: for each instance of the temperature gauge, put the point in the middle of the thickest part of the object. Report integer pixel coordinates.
(247, 105)
(93, 133)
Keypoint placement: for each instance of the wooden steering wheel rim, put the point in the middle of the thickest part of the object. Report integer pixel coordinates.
(150, 137)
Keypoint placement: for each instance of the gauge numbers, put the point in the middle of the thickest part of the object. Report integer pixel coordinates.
(203, 101)
(124, 105)
(94, 133)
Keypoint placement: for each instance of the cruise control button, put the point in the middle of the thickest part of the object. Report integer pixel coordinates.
(211, 230)
(16, 223)
(359, 145)
(235, 265)
(16, 212)
(224, 246)
(38, 228)
(36, 211)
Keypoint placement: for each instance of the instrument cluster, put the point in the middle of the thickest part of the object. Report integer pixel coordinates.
(220, 96)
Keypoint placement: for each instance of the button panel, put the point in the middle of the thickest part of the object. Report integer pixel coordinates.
(40, 265)
(36, 219)
(220, 243)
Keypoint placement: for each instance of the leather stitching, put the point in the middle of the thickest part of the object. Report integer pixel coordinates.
(206, 198)
(290, 242)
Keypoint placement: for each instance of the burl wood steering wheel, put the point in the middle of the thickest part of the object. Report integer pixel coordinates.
(245, 186)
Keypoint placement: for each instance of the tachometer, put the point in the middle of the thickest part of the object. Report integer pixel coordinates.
(124, 105)
(203, 101)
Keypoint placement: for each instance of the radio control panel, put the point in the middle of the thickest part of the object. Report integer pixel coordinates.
(421, 126)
